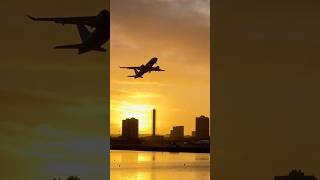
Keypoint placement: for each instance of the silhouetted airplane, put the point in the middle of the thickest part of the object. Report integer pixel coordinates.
(91, 40)
(141, 70)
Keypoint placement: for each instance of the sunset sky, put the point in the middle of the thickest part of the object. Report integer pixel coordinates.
(178, 33)
(266, 69)
(53, 103)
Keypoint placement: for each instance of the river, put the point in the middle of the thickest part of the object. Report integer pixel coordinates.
(146, 165)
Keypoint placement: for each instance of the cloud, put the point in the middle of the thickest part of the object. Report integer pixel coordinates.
(138, 83)
(123, 94)
(201, 7)
(120, 39)
(55, 147)
(173, 29)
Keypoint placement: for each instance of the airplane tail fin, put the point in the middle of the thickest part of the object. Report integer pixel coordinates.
(84, 32)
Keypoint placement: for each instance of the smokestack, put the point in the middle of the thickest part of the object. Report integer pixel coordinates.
(154, 122)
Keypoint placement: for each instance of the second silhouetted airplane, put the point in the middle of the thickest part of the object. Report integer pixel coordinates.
(141, 70)
(91, 40)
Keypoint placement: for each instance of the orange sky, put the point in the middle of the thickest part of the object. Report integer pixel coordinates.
(53, 103)
(177, 32)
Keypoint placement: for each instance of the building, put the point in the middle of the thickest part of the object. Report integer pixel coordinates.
(295, 175)
(177, 132)
(130, 129)
(154, 139)
(202, 127)
(193, 133)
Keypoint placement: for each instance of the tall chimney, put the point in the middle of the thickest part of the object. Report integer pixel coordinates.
(154, 122)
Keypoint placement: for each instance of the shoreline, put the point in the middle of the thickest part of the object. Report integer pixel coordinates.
(161, 149)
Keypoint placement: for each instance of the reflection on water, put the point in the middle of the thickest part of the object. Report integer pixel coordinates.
(140, 165)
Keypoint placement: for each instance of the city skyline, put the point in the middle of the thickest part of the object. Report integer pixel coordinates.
(187, 133)
(154, 125)
(180, 93)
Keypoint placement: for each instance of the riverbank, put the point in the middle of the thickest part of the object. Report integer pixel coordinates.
(193, 149)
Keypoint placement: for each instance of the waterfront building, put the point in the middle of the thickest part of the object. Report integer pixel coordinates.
(202, 127)
(130, 129)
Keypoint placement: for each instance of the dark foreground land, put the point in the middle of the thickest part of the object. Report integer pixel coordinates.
(161, 144)
(160, 148)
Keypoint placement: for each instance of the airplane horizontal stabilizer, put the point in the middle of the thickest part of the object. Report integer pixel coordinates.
(72, 46)
(32, 18)
(101, 49)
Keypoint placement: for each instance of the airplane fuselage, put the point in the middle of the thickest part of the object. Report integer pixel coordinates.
(141, 70)
(148, 67)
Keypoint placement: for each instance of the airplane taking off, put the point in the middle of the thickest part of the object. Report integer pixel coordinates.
(91, 40)
(141, 70)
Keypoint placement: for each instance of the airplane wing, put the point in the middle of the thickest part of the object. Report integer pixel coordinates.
(86, 20)
(132, 67)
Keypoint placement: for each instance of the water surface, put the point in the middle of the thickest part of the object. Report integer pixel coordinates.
(142, 165)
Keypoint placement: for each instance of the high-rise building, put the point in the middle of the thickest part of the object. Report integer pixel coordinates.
(177, 132)
(202, 127)
(130, 129)
(193, 133)
(295, 175)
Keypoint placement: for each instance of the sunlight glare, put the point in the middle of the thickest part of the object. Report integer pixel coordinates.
(142, 112)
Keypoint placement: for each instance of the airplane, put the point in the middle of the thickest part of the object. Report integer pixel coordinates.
(141, 70)
(91, 40)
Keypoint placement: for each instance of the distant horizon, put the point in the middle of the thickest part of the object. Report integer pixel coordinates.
(169, 130)
(149, 134)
